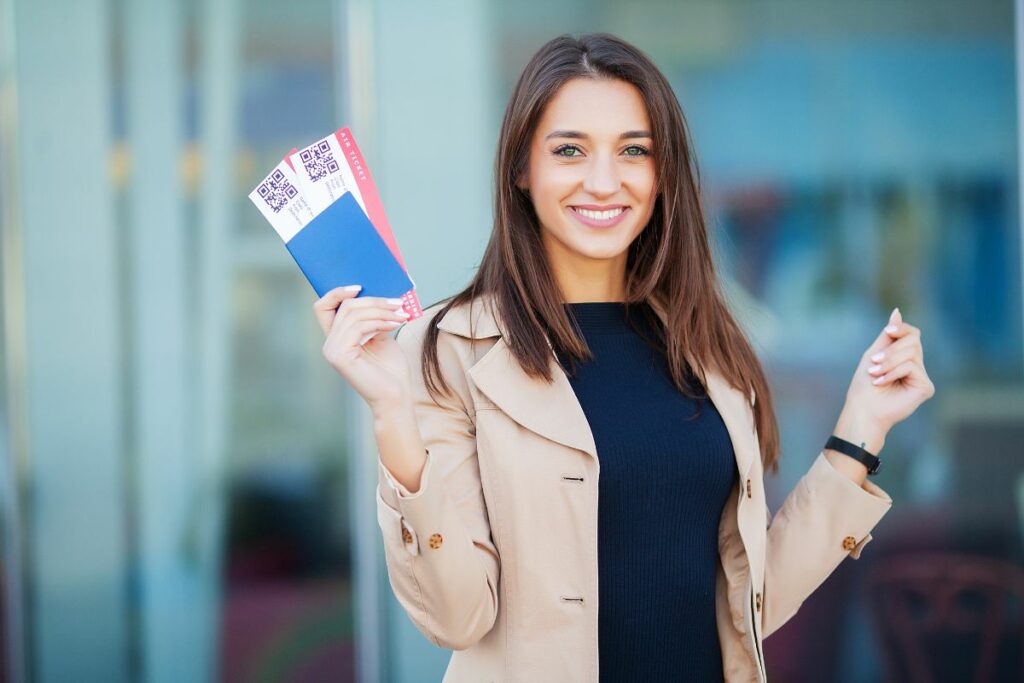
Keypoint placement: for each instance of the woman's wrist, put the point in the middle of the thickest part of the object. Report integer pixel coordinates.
(861, 431)
(396, 408)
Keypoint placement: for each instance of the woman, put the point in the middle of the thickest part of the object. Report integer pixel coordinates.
(595, 326)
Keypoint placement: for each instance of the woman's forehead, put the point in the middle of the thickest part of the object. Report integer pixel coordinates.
(595, 107)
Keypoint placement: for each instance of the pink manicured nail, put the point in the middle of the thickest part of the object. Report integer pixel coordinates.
(878, 380)
(891, 329)
(878, 357)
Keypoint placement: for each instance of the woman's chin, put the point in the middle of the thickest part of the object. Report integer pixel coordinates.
(601, 253)
(592, 245)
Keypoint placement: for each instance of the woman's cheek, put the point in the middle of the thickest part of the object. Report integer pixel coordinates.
(642, 178)
(549, 211)
(562, 181)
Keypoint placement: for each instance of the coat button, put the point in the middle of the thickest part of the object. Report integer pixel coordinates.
(406, 536)
(435, 541)
(749, 494)
(757, 601)
(849, 543)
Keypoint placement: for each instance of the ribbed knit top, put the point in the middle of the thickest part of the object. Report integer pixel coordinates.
(665, 473)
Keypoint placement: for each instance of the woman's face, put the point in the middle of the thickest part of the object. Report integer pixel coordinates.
(591, 175)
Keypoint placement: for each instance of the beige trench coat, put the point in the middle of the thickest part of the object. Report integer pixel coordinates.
(495, 555)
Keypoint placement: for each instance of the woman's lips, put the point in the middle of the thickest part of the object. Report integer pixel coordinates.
(599, 219)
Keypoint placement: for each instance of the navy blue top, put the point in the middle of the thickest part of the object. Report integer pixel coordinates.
(666, 468)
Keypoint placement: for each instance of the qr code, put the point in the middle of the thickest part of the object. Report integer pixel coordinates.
(276, 191)
(318, 161)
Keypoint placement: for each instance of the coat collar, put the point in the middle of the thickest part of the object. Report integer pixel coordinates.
(552, 410)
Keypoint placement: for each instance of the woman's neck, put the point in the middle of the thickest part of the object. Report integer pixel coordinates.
(591, 280)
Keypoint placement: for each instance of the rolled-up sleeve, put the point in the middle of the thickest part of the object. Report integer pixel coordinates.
(826, 517)
(441, 560)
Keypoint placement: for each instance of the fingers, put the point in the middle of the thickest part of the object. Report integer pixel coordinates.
(325, 307)
(907, 348)
(897, 354)
(354, 315)
(888, 367)
(894, 329)
(359, 332)
(335, 306)
(904, 369)
(358, 321)
(900, 330)
(904, 358)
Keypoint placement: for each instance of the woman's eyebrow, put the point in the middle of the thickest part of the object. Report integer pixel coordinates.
(583, 136)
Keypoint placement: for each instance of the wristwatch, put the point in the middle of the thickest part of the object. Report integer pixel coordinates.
(869, 460)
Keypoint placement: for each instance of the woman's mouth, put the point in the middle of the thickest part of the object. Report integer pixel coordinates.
(599, 218)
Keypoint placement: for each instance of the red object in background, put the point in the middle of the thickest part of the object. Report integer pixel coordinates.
(949, 616)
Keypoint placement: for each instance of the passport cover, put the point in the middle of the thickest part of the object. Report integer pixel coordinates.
(340, 246)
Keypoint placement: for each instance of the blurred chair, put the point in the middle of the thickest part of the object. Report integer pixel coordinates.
(948, 617)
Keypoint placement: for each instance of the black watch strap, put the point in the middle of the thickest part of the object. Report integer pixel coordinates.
(871, 461)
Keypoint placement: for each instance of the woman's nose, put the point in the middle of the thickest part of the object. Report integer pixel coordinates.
(602, 176)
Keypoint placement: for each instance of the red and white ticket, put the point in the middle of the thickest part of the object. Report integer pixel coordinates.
(323, 173)
(311, 179)
(338, 166)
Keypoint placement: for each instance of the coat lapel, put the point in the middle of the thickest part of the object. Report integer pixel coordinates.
(552, 410)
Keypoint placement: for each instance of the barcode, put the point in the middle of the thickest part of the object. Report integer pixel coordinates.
(318, 161)
(276, 191)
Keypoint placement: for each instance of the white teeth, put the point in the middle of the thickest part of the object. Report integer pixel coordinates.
(598, 215)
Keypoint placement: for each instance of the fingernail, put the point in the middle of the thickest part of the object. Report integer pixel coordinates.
(395, 302)
(878, 356)
(353, 288)
(874, 368)
(891, 329)
(878, 380)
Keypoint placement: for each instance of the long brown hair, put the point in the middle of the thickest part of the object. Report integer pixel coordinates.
(670, 261)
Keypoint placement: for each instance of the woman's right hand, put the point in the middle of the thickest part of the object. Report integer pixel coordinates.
(378, 370)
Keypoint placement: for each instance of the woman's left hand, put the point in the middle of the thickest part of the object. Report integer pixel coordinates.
(890, 381)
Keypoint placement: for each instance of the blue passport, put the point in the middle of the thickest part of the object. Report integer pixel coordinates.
(340, 247)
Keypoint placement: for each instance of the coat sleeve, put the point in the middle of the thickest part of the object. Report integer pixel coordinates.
(441, 561)
(826, 517)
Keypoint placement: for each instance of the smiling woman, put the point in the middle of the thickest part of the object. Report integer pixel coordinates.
(592, 180)
(517, 491)
(593, 126)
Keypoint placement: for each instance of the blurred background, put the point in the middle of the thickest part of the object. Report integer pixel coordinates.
(186, 485)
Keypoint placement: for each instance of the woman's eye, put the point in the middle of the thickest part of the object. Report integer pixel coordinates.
(567, 151)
